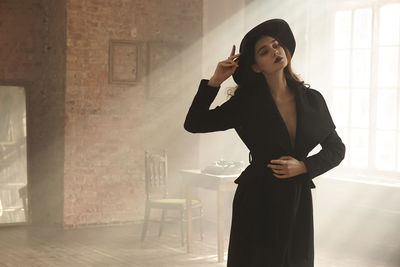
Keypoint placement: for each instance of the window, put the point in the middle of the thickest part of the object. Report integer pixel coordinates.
(366, 88)
(13, 161)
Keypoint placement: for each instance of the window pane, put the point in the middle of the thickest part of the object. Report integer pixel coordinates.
(388, 66)
(362, 28)
(398, 151)
(342, 29)
(386, 109)
(385, 150)
(389, 24)
(360, 108)
(340, 107)
(14, 193)
(359, 148)
(361, 66)
(341, 68)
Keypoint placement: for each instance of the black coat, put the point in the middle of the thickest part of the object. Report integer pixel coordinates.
(272, 221)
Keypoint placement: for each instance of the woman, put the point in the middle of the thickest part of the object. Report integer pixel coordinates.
(280, 120)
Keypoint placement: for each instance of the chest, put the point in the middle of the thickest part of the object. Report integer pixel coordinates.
(278, 127)
(287, 111)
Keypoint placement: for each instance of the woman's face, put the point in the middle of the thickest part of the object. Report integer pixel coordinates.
(269, 56)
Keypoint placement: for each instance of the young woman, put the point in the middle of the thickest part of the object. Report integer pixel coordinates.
(280, 120)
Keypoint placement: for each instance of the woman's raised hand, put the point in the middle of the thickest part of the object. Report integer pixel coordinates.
(224, 69)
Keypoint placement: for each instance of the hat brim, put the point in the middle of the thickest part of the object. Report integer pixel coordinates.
(277, 28)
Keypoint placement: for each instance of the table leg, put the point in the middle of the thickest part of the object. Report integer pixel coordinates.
(221, 224)
(189, 234)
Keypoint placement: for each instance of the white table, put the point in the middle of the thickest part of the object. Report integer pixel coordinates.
(219, 183)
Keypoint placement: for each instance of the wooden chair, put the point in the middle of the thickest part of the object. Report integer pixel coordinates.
(156, 183)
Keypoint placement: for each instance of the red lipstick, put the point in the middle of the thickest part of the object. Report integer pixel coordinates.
(278, 59)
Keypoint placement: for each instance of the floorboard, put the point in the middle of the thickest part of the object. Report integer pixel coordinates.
(120, 245)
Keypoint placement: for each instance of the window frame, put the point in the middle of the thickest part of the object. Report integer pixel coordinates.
(371, 172)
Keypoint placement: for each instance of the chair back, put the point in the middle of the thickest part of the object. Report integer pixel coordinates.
(156, 172)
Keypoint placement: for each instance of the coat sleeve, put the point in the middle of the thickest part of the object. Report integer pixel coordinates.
(331, 154)
(201, 119)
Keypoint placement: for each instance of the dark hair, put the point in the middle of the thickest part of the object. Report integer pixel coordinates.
(258, 78)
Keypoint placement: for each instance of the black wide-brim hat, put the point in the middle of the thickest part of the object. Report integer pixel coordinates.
(276, 28)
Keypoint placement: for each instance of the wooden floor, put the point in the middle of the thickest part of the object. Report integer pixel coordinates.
(120, 246)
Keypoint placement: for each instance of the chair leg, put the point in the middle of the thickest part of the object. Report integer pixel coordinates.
(164, 213)
(145, 222)
(182, 228)
(201, 224)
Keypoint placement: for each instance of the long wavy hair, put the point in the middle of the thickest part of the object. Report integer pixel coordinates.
(291, 77)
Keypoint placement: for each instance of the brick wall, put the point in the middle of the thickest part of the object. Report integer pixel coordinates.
(86, 137)
(32, 55)
(108, 126)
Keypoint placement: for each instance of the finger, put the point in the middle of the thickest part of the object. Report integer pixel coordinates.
(275, 166)
(278, 161)
(228, 65)
(285, 157)
(233, 50)
(281, 172)
(229, 60)
(234, 56)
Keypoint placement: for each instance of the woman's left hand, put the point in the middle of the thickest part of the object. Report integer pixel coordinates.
(286, 167)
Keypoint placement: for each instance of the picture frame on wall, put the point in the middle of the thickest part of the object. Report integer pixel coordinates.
(164, 69)
(124, 61)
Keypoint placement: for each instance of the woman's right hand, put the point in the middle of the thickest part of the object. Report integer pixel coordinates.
(224, 69)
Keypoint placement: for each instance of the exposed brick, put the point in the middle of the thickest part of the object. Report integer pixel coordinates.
(87, 137)
(33, 55)
(115, 123)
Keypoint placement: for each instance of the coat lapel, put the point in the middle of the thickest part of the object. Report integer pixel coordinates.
(313, 118)
(282, 134)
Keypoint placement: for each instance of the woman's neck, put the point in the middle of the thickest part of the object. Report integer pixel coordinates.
(277, 84)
